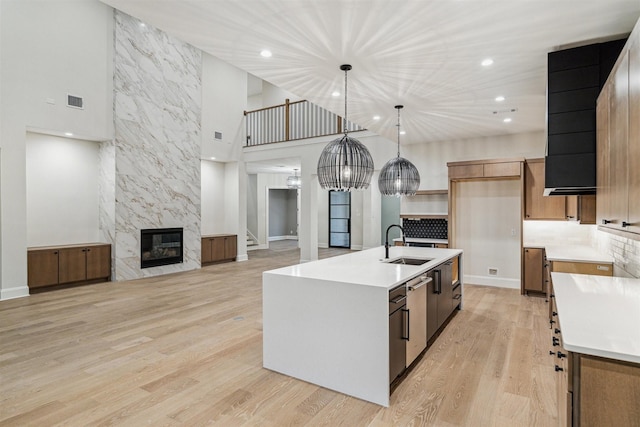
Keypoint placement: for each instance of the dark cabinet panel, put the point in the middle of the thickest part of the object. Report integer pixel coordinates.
(576, 57)
(432, 306)
(42, 268)
(572, 100)
(572, 143)
(578, 78)
(575, 121)
(73, 265)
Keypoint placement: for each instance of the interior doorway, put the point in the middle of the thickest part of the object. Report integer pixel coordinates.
(282, 215)
(339, 219)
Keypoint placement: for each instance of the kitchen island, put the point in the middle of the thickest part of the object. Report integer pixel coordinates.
(327, 321)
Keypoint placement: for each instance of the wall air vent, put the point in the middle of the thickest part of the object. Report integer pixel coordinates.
(75, 101)
(218, 135)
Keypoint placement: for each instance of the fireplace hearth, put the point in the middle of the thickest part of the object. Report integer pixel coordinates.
(160, 246)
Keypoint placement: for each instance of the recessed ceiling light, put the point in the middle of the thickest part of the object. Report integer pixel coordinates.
(142, 24)
(376, 117)
(402, 132)
(507, 120)
(487, 62)
(499, 98)
(335, 93)
(212, 158)
(68, 134)
(265, 53)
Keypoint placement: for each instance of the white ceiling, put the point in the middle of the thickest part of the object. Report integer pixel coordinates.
(424, 54)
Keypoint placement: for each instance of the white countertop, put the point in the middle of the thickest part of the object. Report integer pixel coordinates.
(365, 267)
(574, 253)
(421, 240)
(599, 315)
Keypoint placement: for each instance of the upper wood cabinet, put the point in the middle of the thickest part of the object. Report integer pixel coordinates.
(618, 124)
(485, 169)
(536, 205)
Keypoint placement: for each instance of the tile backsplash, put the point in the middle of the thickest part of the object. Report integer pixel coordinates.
(425, 228)
(625, 252)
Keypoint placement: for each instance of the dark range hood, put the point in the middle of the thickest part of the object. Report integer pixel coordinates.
(575, 78)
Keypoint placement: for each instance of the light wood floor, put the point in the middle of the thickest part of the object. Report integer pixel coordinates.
(186, 349)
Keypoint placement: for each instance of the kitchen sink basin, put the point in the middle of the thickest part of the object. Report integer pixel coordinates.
(409, 261)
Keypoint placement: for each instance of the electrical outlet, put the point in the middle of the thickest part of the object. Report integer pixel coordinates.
(493, 272)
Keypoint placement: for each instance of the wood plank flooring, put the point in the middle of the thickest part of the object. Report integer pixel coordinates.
(186, 349)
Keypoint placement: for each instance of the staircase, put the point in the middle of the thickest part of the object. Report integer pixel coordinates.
(252, 241)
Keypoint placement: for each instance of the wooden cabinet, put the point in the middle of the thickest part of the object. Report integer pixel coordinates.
(604, 391)
(540, 207)
(592, 268)
(495, 168)
(618, 204)
(42, 267)
(534, 270)
(219, 248)
(536, 205)
(50, 266)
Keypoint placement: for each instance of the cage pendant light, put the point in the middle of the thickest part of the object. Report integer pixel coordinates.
(345, 163)
(399, 177)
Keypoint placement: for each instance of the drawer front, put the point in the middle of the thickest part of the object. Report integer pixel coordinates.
(582, 268)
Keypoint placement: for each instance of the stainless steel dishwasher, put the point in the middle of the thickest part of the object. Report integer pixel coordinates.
(417, 313)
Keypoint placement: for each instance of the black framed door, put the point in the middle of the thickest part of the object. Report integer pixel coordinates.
(339, 219)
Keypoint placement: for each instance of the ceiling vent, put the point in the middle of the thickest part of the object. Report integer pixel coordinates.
(218, 135)
(75, 101)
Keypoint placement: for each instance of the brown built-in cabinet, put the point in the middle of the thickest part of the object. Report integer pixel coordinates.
(534, 270)
(618, 144)
(219, 248)
(540, 207)
(68, 264)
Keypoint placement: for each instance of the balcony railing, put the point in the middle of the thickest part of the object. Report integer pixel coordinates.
(290, 121)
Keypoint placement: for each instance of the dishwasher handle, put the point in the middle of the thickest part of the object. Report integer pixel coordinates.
(398, 299)
(420, 284)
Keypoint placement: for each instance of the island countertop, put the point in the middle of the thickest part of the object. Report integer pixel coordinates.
(327, 321)
(366, 267)
(599, 315)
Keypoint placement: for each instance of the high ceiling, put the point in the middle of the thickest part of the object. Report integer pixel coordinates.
(425, 54)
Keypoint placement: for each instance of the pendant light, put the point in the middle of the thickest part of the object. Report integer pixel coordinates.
(399, 177)
(294, 182)
(345, 163)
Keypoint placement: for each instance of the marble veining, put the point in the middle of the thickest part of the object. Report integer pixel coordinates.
(157, 111)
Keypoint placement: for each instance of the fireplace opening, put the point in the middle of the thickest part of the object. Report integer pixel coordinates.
(160, 246)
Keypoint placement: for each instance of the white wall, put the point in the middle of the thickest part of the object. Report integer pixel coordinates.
(488, 223)
(213, 189)
(46, 50)
(67, 47)
(62, 190)
(224, 98)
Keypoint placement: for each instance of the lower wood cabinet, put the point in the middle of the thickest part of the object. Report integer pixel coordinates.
(60, 265)
(219, 248)
(533, 277)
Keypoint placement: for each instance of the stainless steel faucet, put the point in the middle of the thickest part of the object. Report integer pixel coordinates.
(386, 239)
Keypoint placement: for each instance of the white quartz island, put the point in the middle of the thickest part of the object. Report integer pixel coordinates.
(327, 321)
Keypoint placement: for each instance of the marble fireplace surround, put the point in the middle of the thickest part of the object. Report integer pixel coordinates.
(150, 172)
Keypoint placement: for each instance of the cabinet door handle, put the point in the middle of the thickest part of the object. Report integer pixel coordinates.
(558, 368)
(626, 224)
(557, 331)
(55, 252)
(555, 341)
(561, 354)
(438, 287)
(606, 221)
(406, 324)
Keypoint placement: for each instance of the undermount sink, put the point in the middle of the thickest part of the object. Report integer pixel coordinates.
(409, 261)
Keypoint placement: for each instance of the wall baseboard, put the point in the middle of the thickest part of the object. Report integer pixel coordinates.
(255, 247)
(240, 258)
(323, 245)
(276, 238)
(497, 282)
(12, 293)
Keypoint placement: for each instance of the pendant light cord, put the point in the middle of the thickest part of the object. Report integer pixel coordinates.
(344, 120)
(398, 132)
